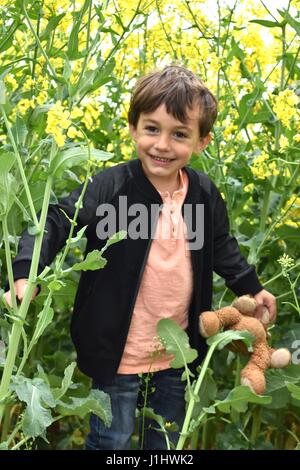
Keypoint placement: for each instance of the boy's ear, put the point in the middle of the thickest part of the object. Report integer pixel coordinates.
(203, 142)
(132, 131)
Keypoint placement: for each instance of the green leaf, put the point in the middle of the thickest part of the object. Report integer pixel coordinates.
(176, 342)
(149, 413)
(290, 20)
(2, 352)
(114, 239)
(75, 156)
(2, 93)
(66, 381)
(294, 389)
(72, 51)
(92, 262)
(51, 26)
(79, 235)
(222, 339)
(8, 184)
(32, 229)
(96, 402)
(268, 24)
(45, 317)
(246, 105)
(239, 398)
(36, 394)
(56, 285)
(277, 379)
(207, 393)
(19, 131)
(7, 159)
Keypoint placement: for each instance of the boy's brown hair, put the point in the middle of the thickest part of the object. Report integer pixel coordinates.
(179, 89)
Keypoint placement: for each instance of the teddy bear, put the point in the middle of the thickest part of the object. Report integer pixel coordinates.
(240, 316)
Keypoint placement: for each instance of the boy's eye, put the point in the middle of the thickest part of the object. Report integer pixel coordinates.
(151, 129)
(180, 135)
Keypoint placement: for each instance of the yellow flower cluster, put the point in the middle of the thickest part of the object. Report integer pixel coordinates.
(59, 120)
(285, 106)
(292, 212)
(229, 130)
(11, 81)
(24, 105)
(91, 113)
(283, 143)
(296, 137)
(56, 6)
(263, 169)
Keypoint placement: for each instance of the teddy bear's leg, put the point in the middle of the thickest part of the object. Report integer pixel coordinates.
(253, 375)
(280, 358)
(209, 324)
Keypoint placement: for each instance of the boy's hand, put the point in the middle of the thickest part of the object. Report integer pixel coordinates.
(20, 287)
(265, 299)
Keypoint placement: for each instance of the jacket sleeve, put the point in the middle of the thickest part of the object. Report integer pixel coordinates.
(229, 263)
(57, 228)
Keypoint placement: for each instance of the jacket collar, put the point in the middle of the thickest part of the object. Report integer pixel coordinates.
(141, 180)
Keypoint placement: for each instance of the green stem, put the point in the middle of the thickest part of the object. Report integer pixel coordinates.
(168, 37)
(256, 424)
(88, 35)
(6, 423)
(14, 433)
(38, 42)
(281, 274)
(143, 412)
(18, 325)
(195, 439)
(127, 28)
(264, 211)
(188, 416)
(9, 265)
(23, 441)
(234, 414)
(21, 169)
(294, 293)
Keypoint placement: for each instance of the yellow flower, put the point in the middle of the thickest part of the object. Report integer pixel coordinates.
(29, 83)
(42, 97)
(11, 81)
(263, 169)
(58, 119)
(249, 188)
(24, 104)
(296, 137)
(283, 143)
(285, 106)
(76, 112)
(73, 132)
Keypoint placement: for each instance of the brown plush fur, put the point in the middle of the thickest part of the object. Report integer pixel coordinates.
(240, 317)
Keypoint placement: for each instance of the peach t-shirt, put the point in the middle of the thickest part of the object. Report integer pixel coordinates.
(165, 290)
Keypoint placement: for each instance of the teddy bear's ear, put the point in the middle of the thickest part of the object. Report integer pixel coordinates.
(246, 305)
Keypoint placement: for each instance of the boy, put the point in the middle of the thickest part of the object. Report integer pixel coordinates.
(166, 272)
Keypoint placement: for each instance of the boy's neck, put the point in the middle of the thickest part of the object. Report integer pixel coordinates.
(162, 185)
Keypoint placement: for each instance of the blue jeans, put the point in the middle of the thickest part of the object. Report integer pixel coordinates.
(165, 396)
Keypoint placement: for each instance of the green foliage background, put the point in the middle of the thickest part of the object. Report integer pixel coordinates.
(67, 69)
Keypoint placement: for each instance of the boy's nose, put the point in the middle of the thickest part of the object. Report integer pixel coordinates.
(162, 143)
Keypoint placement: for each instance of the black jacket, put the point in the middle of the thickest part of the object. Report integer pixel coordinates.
(105, 298)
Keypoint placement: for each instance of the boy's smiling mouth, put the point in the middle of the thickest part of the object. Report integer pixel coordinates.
(161, 159)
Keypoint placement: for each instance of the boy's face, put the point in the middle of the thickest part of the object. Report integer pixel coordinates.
(164, 144)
